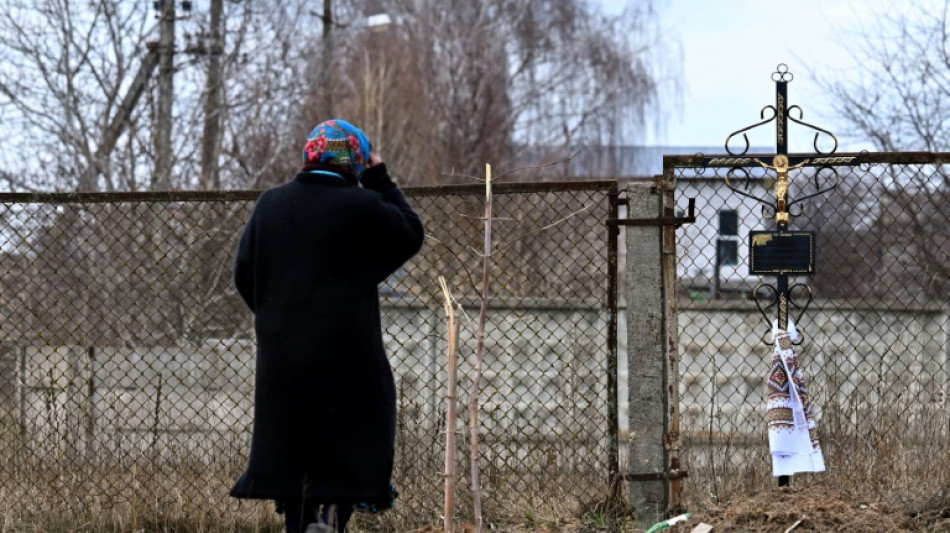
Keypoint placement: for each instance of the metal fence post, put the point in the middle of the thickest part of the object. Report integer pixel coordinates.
(21, 391)
(647, 395)
(613, 319)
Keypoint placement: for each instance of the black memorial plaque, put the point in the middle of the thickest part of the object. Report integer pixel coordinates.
(781, 252)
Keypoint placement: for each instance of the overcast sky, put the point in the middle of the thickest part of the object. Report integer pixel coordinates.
(730, 49)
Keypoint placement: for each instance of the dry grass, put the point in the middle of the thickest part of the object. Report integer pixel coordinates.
(889, 474)
(194, 502)
(887, 471)
(56, 494)
(812, 507)
(53, 497)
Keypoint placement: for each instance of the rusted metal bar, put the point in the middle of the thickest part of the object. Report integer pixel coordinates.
(667, 220)
(613, 423)
(656, 476)
(512, 188)
(128, 197)
(674, 486)
(253, 194)
(700, 161)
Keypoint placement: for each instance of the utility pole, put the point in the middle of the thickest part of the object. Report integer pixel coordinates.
(161, 179)
(211, 135)
(327, 58)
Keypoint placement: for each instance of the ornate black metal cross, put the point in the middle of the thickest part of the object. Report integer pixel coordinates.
(783, 252)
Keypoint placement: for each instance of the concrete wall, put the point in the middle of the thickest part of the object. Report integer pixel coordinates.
(540, 382)
(544, 386)
(858, 360)
(112, 400)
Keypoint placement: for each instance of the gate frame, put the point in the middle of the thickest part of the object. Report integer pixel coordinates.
(666, 482)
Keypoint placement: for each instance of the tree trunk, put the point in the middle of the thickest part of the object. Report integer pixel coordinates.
(211, 136)
(161, 179)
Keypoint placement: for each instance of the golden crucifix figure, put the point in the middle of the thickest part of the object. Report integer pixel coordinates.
(781, 168)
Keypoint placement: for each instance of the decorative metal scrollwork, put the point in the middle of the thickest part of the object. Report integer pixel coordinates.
(773, 299)
(745, 137)
(699, 162)
(819, 189)
(747, 181)
(799, 120)
(782, 300)
(781, 113)
(782, 74)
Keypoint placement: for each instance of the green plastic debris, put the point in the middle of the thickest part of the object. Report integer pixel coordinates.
(666, 524)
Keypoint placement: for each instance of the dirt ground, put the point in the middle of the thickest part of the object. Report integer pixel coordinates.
(819, 509)
(795, 510)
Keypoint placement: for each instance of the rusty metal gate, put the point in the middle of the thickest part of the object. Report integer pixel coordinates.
(867, 281)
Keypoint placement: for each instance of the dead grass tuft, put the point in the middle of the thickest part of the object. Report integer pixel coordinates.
(819, 508)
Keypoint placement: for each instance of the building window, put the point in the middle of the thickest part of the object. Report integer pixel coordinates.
(728, 223)
(727, 251)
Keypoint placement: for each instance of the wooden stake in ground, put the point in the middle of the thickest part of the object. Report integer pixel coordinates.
(479, 353)
(450, 414)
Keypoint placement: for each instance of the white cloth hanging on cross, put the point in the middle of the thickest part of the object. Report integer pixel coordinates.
(793, 439)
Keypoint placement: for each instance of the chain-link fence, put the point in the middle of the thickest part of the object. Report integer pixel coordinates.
(876, 343)
(127, 359)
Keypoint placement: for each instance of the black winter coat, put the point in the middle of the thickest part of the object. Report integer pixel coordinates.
(308, 266)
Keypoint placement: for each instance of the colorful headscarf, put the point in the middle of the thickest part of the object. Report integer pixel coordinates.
(337, 142)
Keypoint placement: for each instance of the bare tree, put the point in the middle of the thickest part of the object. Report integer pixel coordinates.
(71, 79)
(899, 100)
(439, 87)
(581, 78)
(446, 87)
(276, 92)
(898, 96)
(79, 90)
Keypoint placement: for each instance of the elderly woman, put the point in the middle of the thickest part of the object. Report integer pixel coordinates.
(308, 265)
